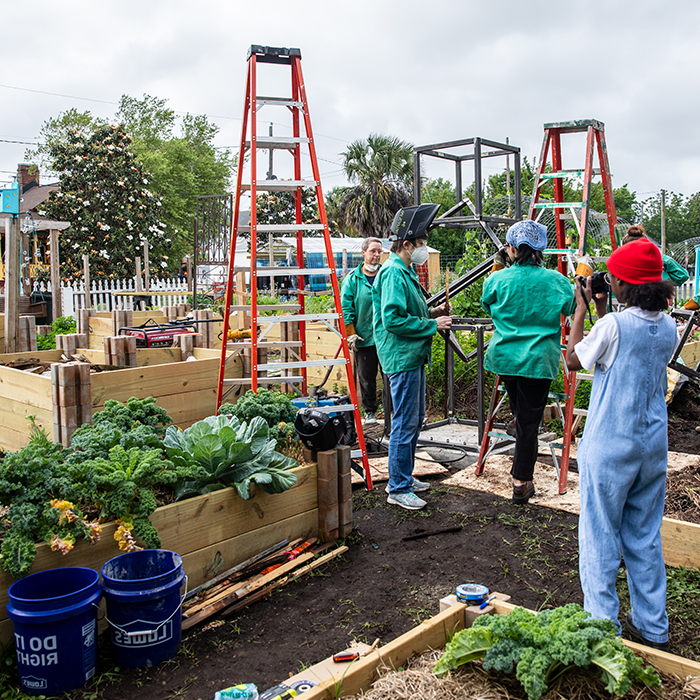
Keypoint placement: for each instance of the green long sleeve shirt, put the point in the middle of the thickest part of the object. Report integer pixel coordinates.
(526, 303)
(358, 306)
(403, 329)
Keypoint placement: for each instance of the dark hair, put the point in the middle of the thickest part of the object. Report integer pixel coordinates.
(528, 255)
(652, 296)
(397, 246)
(634, 233)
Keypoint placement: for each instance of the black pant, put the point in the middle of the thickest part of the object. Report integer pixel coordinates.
(527, 397)
(367, 365)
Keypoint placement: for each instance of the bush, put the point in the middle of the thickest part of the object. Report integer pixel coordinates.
(61, 326)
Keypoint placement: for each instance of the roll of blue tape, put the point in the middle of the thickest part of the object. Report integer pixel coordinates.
(472, 593)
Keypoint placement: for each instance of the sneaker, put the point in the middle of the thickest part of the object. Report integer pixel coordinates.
(370, 418)
(409, 501)
(418, 486)
(522, 494)
(639, 638)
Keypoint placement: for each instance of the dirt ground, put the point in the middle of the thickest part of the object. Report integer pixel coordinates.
(383, 586)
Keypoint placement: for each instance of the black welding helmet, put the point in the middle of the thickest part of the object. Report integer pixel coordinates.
(317, 430)
(413, 222)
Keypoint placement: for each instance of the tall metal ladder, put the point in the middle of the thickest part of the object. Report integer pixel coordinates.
(297, 106)
(579, 212)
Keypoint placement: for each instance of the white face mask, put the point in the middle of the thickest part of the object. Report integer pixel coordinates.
(371, 268)
(420, 255)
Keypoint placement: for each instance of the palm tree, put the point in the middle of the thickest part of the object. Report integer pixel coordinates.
(381, 169)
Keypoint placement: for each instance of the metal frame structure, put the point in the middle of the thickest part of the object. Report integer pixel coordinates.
(212, 235)
(296, 106)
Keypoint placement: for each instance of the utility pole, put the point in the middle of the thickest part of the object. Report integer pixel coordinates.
(663, 222)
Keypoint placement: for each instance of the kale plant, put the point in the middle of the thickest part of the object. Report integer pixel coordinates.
(275, 407)
(220, 451)
(39, 492)
(540, 647)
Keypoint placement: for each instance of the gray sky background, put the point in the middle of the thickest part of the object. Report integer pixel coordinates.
(422, 71)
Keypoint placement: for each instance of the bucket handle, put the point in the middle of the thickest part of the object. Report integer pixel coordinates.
(148, 622)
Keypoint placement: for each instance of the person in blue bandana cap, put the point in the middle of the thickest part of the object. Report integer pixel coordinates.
(526, 302)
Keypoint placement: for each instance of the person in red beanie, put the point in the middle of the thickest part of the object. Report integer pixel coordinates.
(623, 455)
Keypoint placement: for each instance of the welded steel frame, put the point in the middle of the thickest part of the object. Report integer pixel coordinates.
(481, 148)
(480, 326)
(212, 233)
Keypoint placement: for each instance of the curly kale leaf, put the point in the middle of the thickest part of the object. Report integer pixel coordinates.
(18, 552)
(542, 646)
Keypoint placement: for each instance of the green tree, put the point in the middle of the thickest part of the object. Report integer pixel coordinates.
(681, 217)
(104, 193)
(333, 199)
(381, 168)
(182, 166)
(449, 241)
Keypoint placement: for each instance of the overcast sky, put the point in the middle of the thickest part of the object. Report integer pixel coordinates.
(423, 71)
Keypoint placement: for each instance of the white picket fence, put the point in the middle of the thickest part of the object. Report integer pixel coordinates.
(109, 294)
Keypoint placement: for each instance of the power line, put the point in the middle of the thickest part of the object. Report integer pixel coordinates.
(58, 94)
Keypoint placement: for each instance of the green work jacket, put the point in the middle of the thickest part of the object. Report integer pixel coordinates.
(526, 303)
(403, 329)
(674, 271)
(356, 298)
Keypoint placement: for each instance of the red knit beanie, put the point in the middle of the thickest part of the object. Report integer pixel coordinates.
(637, 262)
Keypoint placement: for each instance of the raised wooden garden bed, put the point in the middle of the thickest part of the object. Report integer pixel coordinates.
(344, 680)
(212, 533)
(186, 390)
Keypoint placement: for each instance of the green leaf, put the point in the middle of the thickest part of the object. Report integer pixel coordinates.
(465, 646)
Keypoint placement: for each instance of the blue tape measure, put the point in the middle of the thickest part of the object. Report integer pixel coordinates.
(472, 593)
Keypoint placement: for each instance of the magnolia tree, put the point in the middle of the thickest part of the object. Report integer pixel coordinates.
(104, 194)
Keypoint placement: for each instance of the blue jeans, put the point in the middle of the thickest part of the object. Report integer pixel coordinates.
(408, 398)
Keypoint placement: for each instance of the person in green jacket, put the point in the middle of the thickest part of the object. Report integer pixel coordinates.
(526, 302)
(403, 332)
(356, 298)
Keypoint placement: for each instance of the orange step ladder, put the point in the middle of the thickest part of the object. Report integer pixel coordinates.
(579, 213)
(301, 146)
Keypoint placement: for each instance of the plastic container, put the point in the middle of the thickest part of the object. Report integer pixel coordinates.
(142, 590)
(243, 691)
(54, 614)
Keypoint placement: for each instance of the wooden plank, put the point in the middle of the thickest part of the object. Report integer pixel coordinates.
(681, 543)
(43, 355)
(25, 388)
(431, 634)
(199, 522)
(209, 561)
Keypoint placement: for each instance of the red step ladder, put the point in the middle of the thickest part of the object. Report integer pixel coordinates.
(301, 146)
(579, 213)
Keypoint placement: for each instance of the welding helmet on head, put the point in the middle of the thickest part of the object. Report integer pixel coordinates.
(413, 222)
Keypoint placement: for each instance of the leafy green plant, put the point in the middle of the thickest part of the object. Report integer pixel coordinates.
(39, 493)
(137, 423)
(60, 326)
(274, 407)
(220, 451)
(124, 484)
(543, 646)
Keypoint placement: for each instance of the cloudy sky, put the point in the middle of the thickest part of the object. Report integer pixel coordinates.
(425, 72)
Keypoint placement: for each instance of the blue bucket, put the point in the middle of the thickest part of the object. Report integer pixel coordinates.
(142, 590)
(54, 614)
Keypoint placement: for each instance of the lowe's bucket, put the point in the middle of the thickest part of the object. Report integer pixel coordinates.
(54, 614)
(142, 590)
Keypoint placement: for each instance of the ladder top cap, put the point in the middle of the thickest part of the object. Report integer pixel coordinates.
(270, 54)
(576, 125)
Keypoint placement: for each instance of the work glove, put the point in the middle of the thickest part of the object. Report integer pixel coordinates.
(352, 340)
(584, 267)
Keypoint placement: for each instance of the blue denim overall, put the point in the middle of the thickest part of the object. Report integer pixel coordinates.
(622, 460)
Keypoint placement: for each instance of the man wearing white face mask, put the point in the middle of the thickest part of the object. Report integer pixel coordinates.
(403, 333)
(356, 297)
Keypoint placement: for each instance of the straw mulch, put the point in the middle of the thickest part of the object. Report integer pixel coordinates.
(471, 681)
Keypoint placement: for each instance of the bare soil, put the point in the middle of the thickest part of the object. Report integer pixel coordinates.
(384, 585)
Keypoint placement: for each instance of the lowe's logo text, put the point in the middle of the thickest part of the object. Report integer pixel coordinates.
(146, 638)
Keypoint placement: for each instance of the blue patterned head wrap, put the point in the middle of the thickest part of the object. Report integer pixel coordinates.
(528, 231)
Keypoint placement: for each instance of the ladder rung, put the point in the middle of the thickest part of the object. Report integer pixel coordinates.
(278, 142)
(284, 271)
(566, 173)
(263, 380)
(279, 185)
(265, 307)
(559, 205)
(243, 344)
(281, 366)
(334, 409)
(283, 228)
(297, 317)
(278, 101)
